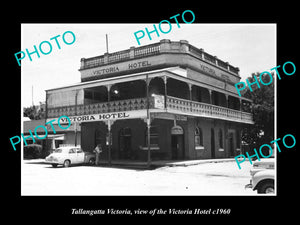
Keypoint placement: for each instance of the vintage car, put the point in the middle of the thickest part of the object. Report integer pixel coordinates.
(70, 155)
(262, 176)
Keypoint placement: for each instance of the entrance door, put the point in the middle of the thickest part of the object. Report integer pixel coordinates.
(231, 146)
(177, 144)
(212, 141)
(125, 143)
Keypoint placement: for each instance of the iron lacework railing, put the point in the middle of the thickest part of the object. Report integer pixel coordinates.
(173, 104)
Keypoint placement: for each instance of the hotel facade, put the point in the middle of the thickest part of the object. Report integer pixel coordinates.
(163, 101)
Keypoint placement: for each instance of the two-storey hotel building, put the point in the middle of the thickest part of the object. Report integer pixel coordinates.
(163, 101)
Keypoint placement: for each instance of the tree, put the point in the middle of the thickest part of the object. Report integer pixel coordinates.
(262, 132)
(34, 112)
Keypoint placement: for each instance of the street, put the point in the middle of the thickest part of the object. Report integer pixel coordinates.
(222, 178)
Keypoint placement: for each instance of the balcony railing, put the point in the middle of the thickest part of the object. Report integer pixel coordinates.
(103, 107)
(120, 56)
(147, 50)
(176, 105)
(164, 46)
(207, 110)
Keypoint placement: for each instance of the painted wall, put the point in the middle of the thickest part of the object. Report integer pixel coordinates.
(94, 132)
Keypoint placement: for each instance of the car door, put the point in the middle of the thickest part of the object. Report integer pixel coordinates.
(79, 155)
(72, 156)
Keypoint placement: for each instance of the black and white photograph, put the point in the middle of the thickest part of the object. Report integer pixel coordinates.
(133, 113)
(112, 117)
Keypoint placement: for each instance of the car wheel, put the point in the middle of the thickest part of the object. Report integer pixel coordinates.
(54, 165)
(92, 161)
(266, 188)
(67, 163)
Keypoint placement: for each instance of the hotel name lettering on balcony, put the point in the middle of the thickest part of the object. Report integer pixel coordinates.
(121, 67)
(207, 69)
(106, 70)
(104, 117)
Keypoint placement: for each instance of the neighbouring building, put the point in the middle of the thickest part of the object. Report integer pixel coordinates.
(53, 139)
(168, 98)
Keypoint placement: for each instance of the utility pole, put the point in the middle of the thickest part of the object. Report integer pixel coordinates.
(75, 123)
(148, 123)
(106, 43)
(109, 141)
(32, 95)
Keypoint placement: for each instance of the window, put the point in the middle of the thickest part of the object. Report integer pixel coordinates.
(153, 136)
(198, 137)
(79, 150)
(72, 150)
(220, 138)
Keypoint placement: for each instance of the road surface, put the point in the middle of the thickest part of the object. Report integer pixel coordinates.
(222, 178)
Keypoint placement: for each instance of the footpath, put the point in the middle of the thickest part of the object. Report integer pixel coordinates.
(165, 163)
(143, 165)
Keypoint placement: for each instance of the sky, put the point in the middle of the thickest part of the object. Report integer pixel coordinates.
(251, 47)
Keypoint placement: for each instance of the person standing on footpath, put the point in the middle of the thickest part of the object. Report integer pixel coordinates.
(98, 150)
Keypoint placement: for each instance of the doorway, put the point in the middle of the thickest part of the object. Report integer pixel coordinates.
(125, 143)
(177, 145)
(212, 141)
(177, 142)
(99, 137)
(231, 145)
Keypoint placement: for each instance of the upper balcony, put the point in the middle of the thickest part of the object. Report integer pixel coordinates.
(176, 94)
(173, 105)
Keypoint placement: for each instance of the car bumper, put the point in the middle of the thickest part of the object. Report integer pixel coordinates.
(49, 161)
(249, 185)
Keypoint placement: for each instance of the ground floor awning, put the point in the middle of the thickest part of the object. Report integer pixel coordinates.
(56, 136)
